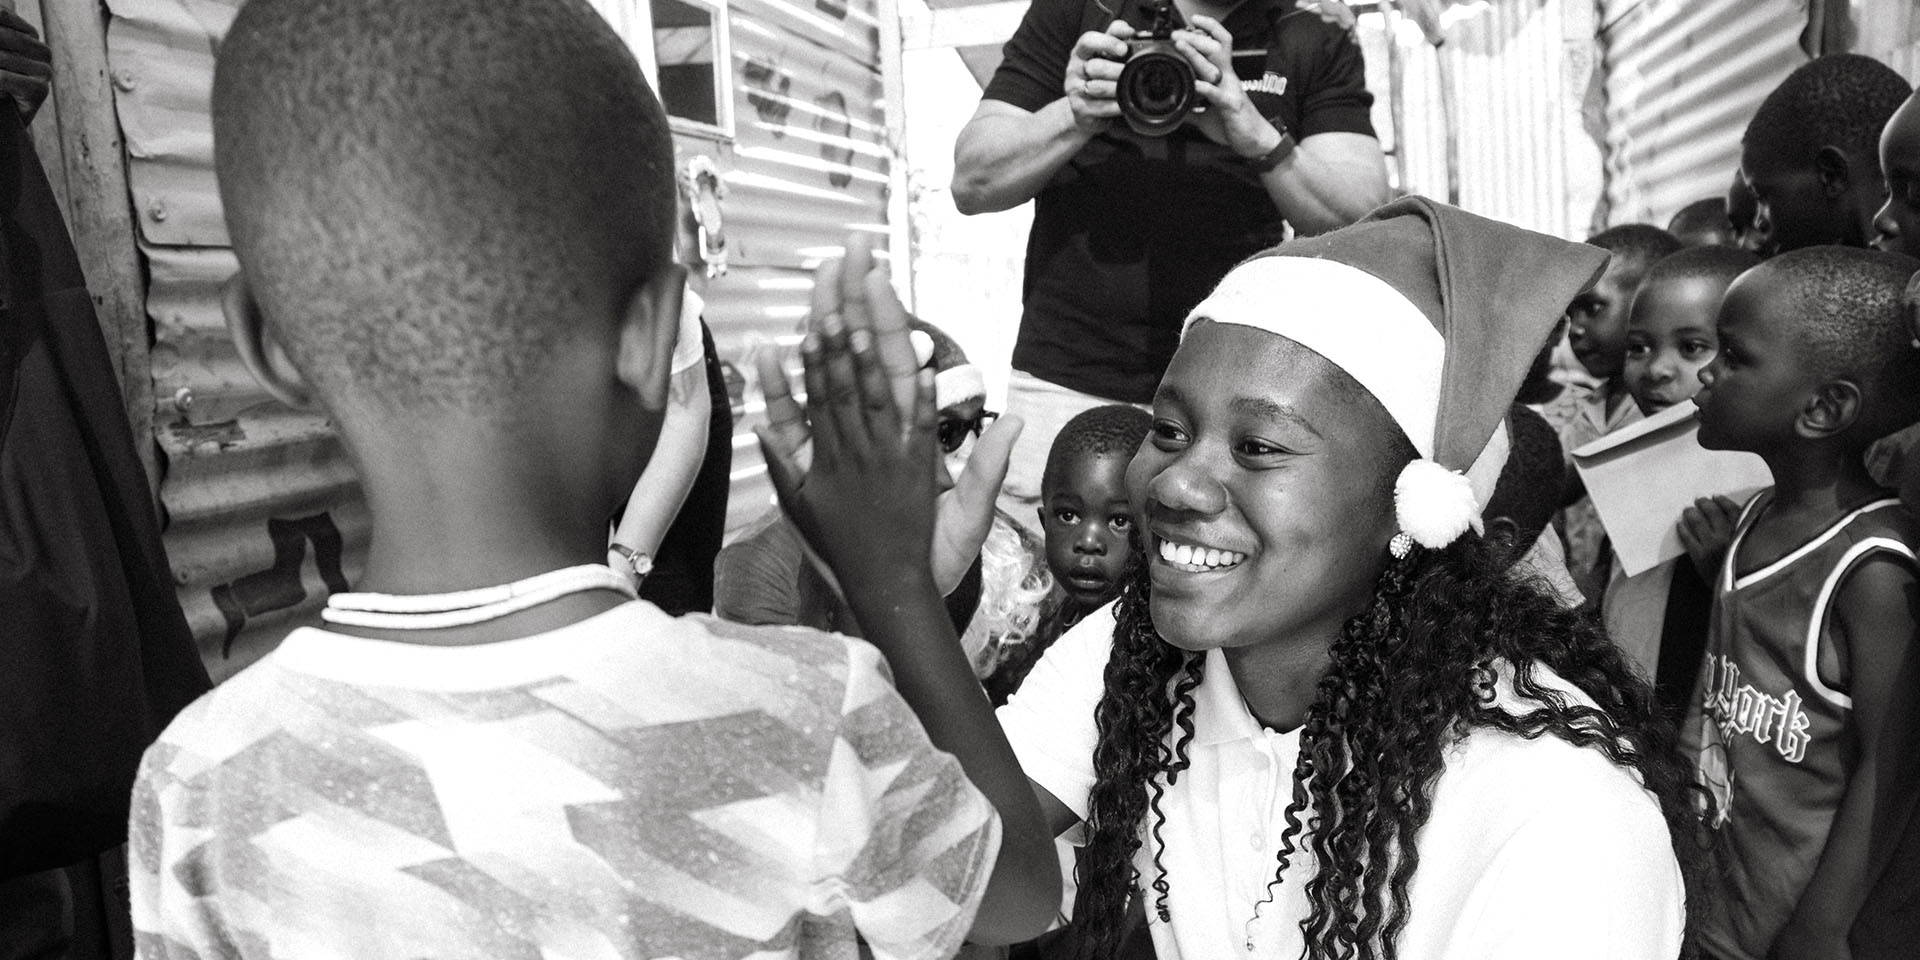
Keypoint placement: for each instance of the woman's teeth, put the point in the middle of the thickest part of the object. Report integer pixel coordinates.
(1198, 558)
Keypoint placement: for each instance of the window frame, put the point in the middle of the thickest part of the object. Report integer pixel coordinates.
(722, 72)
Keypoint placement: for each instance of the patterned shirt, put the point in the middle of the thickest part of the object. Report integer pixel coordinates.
(629, 786)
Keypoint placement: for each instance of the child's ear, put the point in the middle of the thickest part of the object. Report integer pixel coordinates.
(258, 352)
(1832, 409)
(647, 334)
(1836, 172)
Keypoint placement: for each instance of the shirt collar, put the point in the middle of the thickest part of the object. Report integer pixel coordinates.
(1220, 714)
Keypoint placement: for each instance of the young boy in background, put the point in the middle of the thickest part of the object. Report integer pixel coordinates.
(545, 767)
(1083, 504)
(1598, 333)
(1658, 617)
(1703, 223)
(1799, 706)
(1088, 523)
(1811, 153)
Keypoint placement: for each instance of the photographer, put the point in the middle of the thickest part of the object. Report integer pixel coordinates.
(1130, 231)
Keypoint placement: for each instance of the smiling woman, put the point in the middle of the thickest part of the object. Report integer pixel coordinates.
(1322, 720)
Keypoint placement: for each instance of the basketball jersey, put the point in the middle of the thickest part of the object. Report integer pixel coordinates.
(1770, 736)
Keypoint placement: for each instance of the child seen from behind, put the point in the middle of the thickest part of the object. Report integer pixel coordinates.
(492, 749)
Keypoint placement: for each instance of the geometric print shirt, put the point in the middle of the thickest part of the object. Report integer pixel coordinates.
(629, 786)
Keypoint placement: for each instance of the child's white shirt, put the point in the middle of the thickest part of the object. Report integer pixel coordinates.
(632, 785)
(1534, 848)
(688, 350)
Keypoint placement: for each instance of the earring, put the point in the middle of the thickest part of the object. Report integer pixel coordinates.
(1400, 545)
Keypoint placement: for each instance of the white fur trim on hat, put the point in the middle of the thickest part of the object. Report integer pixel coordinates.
(1352, 318)
(922, 346)
(956, 384)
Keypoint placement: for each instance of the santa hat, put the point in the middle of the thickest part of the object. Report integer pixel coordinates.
(1439, 314)
(955, 378)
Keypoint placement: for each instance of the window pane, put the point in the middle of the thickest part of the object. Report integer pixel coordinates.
(683, 43)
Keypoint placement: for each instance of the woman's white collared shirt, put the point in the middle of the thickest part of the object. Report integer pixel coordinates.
(1534, 847)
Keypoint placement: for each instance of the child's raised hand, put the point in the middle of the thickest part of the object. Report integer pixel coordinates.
(966, 511)
(866, 502)
(1705, 529)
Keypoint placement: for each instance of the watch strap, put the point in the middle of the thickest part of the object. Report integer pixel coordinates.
(640, 563)
(1276, 156)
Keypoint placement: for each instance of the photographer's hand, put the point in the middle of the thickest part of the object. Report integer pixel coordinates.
(1230, 119)
(1093, 72)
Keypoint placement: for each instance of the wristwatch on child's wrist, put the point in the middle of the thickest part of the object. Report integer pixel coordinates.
(634, 562)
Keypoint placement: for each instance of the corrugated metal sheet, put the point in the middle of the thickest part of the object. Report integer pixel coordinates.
(1889, 31)
(264, 516)
(1683, 79)
(1520, 71)
(810, 160)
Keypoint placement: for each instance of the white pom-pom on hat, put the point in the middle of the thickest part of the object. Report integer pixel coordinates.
(1434, 505)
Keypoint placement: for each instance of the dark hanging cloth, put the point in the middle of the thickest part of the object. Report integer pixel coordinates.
(95, 655)
(682, 577)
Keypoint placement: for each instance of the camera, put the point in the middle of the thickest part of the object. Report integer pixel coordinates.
(1155, 89)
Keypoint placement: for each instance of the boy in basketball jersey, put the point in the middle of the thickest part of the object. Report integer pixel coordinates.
(1813, 607)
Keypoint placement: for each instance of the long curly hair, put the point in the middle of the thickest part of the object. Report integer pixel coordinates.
(1409, 677)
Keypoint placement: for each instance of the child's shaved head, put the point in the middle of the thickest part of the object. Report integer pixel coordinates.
(1841, 100)
(428, 197)
(1110, 429)
(1851, 321)
(1638, 244)
(1718, 264)
(1811, 153)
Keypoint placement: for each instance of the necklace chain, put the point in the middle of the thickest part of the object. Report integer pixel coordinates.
(438, 611)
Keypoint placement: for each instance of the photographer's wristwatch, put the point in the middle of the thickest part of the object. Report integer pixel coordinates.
(1273, 158)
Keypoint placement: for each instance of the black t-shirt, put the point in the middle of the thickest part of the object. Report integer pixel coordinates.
(1134, 231)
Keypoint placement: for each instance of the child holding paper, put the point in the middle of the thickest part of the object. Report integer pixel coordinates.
(1658, 616)
(1801, 708)
(1597, 320)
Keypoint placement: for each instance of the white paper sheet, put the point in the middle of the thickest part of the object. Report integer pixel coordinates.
(1641, 476)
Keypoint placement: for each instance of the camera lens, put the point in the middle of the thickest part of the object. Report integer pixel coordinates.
(1155, 91)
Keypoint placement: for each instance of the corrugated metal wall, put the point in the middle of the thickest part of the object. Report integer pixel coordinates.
(263, 512)
(811, 160)
(1521, 71)
(1889, 31)
(1683, 78)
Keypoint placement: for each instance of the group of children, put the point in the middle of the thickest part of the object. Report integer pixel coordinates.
(1287, 693)
(1783, 644)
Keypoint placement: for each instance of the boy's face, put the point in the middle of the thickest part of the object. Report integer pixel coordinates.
(1263, 491)
(1793, 206)
(1897, 225)
(1755, 388)
(1597, 319)
(1087, 518)
(1669, 339)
